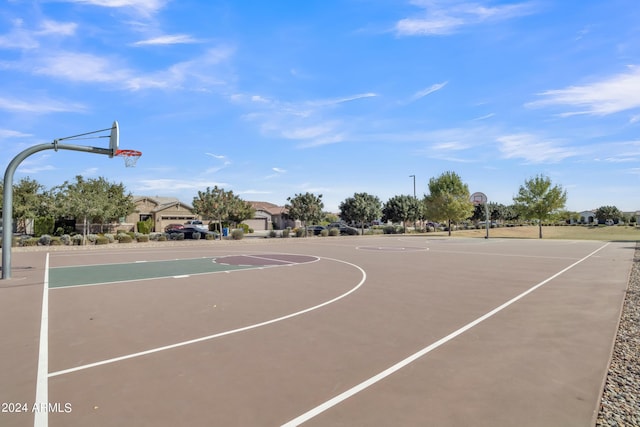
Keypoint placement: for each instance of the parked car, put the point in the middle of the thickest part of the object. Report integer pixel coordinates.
(188, 231)
(316, 229)
(173, 227)
(197, 224)
(344, 228)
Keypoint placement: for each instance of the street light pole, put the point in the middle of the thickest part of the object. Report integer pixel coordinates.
(414, 185)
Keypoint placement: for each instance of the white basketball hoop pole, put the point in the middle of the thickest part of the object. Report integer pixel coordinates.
(480, 198)
(7, 201)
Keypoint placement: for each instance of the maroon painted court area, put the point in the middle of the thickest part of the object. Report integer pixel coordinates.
(334, 331)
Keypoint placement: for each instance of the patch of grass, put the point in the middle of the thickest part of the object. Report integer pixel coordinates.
(578, 232)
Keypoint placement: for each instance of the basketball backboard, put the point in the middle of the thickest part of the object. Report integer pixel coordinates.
(478, 198)
(114, 139)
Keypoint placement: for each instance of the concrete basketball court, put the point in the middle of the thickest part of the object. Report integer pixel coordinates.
(334, 331)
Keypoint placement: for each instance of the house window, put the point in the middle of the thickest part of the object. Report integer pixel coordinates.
(144, 217)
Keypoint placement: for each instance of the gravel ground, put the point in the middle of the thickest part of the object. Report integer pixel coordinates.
(620, 404)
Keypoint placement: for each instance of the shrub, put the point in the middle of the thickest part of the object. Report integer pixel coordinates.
(110, 237)
(154, 236)
(77, 240)
(389, 229)
(285, 232)
(44, 240)
(210, 236)
(237, 234)
(92, 238)
(162, 238)
(142, 238)
(102, 240)
(43, 225)
(334, 231)
(65, 239)
(144, 227)
(55, 241)
(29, 241)
(300, 232)
(124, 238)
(244, 227)
(272, 233)
(324, 232)
(196, 236)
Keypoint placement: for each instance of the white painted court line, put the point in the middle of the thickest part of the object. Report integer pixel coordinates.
(41, 418)
(376, 378)
(221, 334)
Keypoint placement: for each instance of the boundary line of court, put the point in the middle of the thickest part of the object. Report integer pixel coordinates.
(41, 417)
(221, 334)
(391, 370)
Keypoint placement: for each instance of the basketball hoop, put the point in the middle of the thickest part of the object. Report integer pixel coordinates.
(130, 157)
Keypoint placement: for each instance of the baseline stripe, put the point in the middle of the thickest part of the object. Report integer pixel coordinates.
(376, 378)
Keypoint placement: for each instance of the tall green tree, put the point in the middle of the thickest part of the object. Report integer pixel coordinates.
(448, 199)
(93, 200)
(305, 207)
(361, 208)
(30, 200)
(604, 213)
(212, 204)
(216, 204)
(539, 199)
(402, 208)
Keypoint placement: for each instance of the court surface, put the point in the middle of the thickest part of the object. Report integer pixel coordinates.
(334, 331)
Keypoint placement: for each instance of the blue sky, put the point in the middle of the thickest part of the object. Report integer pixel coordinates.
(271, 99)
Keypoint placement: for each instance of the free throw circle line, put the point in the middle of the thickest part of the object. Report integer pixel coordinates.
(391, 370)
(221, 334)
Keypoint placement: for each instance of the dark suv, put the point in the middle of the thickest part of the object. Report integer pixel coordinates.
(344, 228)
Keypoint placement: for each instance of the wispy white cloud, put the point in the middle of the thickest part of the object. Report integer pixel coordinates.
(485, 117)
(533, 149)
(21, 37)
(443, 17)
(173, 186)
(334, 101)
(278, 170)
(199, 72)
(143, 7)
(7, 133)
(168, 39)
(40, 106)
(611, 95)
(424, 92)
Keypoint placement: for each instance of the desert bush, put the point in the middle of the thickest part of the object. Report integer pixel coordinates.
(110, 237)
(286, 231)
(237, 234)
(210, 236)
(55, 241)
(92, 238)
(102, 240)
(124, 238)
(44, 240)
(334, 231)
(244, 227)
(272, 233)
(43, 225)
(324, 233)
(142, 238)
(162, 238)
(77, 240)
(299, 232)
(389, 229)
(65, 239)
(196, 236)
(31, 241)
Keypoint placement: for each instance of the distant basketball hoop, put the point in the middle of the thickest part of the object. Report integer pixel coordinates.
(478, 198)
(130, 157)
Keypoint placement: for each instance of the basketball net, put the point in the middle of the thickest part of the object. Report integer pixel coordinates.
(130, 157)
